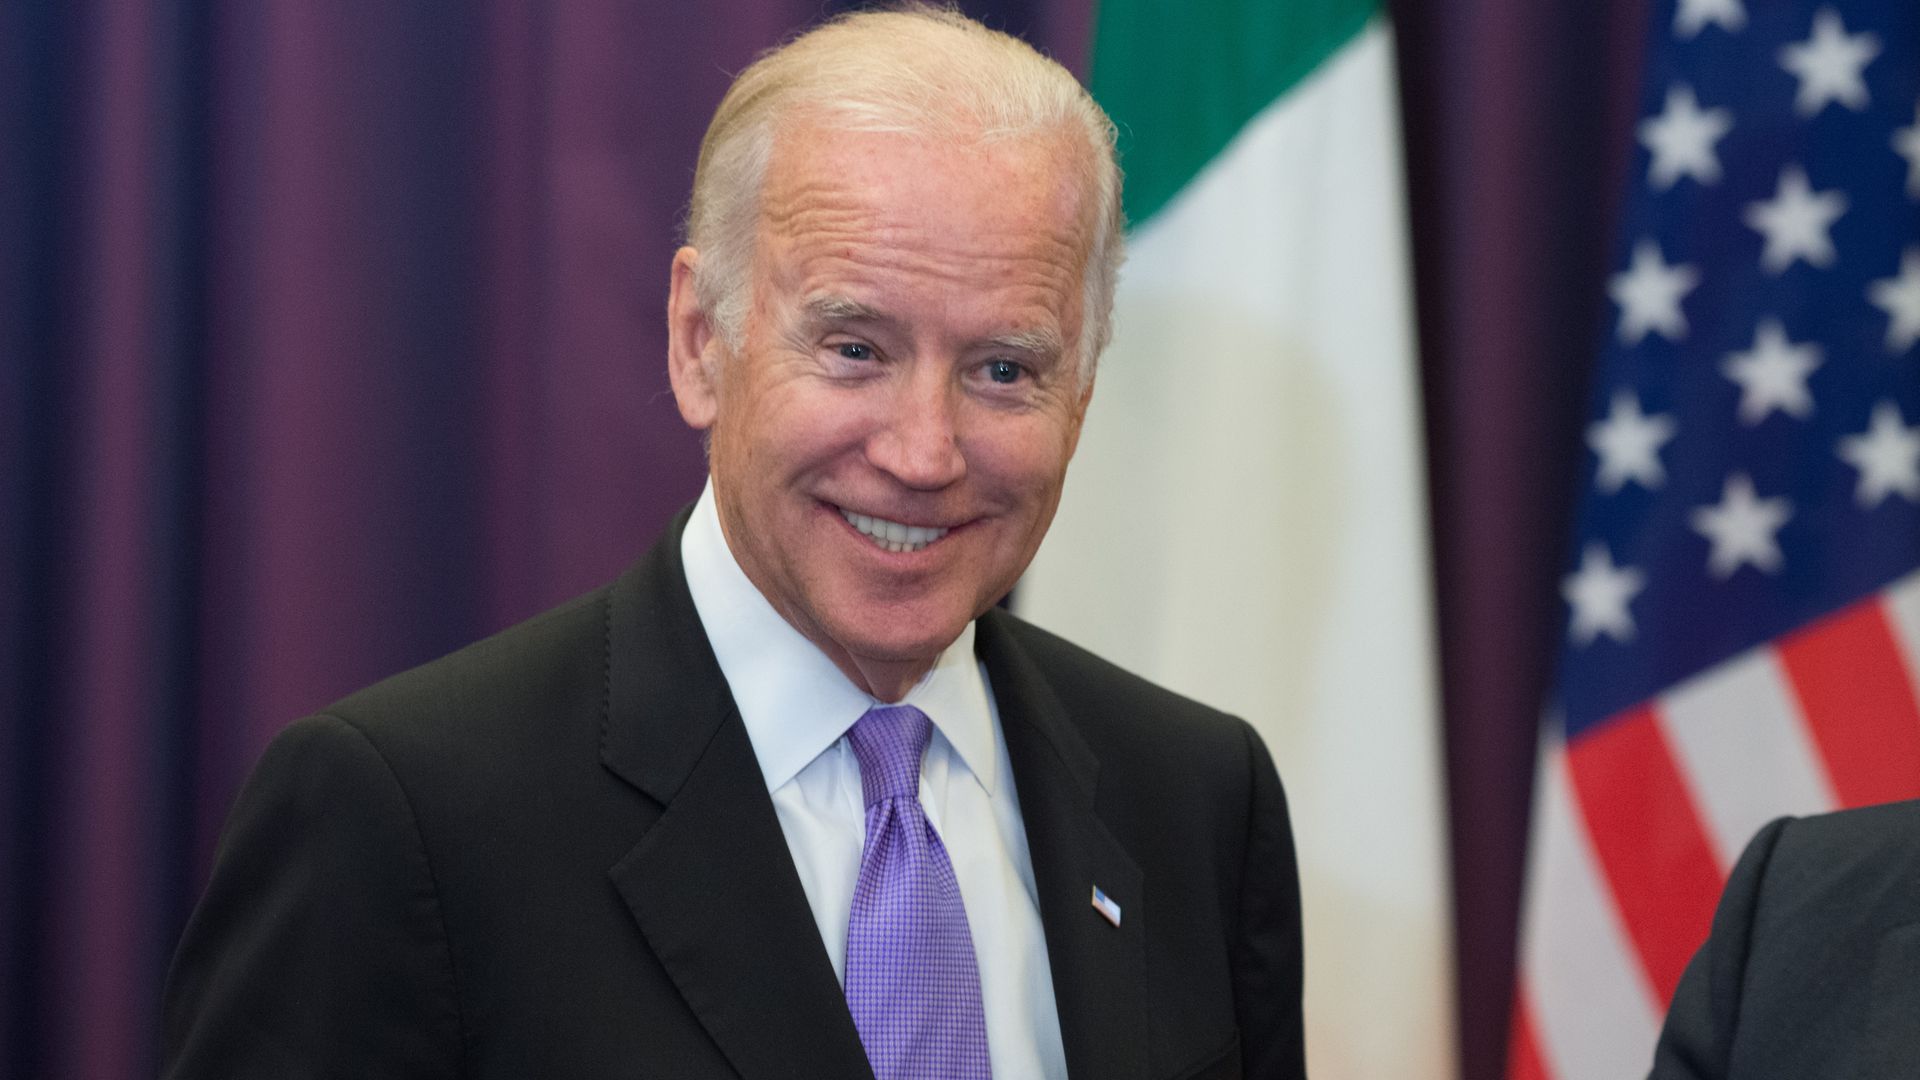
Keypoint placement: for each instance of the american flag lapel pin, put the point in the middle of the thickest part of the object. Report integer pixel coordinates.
(1104, 904)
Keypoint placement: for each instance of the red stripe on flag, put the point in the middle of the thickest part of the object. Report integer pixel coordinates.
(1649, 839)
(1853, 687)
(1523, 1044)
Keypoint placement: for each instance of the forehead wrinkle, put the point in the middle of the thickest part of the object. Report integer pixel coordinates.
(879, 256)
(831, 262)
(824, 213)
(808, 210)
(853, 232)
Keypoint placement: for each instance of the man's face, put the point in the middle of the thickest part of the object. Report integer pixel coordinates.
(889, 444)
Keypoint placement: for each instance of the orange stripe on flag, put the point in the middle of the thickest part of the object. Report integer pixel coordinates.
(1853, 687)
(1648, 837)
(1523, 1044)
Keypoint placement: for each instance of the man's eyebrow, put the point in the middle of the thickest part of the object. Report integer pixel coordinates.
(1033, 342)
(829, 307)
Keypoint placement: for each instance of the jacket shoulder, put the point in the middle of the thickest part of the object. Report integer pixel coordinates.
(522, 708)
(1863, 860)
(550, 657)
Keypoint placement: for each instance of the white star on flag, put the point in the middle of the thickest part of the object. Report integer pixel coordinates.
(1899, 297)
(1796, 222)
(1887, 455)
(1599, 593)
(1830, 64)
(1694, 15)
(1741, 528)
(1628, 444)
(1773, 374)
(1681, 139)
(1649, 294)
(1906, 141)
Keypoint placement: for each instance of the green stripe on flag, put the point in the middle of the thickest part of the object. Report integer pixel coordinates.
(1181, 77)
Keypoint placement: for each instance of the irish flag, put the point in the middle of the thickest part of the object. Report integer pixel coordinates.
(1245, 521)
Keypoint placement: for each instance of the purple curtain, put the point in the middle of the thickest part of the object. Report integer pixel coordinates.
(1519, 118)
(330, 339)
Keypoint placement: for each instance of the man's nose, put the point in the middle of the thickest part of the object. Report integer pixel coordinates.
(919, 444)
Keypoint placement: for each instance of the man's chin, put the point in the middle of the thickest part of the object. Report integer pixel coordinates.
(889, 674)
(900, 645)
(894, 651)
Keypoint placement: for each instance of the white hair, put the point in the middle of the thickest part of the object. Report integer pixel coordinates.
(917, 70)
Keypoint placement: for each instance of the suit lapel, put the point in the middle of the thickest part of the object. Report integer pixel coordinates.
(1099, 970)
(712, 883)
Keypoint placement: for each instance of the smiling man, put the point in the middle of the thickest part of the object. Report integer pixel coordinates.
(892, 425)
(791, 797)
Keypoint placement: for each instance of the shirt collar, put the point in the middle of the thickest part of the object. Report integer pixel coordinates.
(794, 701)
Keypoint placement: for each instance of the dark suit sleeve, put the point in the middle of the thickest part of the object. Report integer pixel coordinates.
(318, 949)
(1698, 1038)
(1266, 949)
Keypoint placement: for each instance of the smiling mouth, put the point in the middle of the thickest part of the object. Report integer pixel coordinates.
(892, 535)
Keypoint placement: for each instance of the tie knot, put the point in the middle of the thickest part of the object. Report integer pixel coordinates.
(888, 741)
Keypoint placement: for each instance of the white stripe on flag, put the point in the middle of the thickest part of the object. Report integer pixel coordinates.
(1744, 749)
(1596, 1016)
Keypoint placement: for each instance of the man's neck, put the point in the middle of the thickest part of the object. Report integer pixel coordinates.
(884, 680)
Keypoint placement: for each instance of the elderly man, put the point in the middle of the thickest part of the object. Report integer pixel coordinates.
(791, 798)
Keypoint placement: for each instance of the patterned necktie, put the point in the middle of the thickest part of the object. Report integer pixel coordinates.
(912, 984)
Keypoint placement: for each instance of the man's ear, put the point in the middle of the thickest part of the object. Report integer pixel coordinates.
(692, 347)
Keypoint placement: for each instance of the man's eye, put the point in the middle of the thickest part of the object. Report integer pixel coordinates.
(854, 350)
(1004, 371)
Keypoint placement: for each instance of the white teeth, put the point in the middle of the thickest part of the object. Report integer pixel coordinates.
(891, 535)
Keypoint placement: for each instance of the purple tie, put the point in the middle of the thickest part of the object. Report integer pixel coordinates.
(911, 980)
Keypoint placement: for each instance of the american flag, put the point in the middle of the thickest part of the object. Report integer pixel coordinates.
(1743, 590)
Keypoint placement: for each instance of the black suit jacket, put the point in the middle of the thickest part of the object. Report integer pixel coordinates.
(1813, 967)
(552, 854)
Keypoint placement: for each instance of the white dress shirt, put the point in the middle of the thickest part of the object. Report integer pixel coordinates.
(797, 707)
